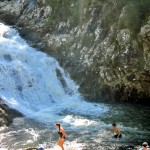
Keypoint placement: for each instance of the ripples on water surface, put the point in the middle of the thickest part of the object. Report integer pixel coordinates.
(34, 84)
(85, 132)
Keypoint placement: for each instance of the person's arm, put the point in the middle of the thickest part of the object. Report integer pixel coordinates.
(110, 132)
(118, 132)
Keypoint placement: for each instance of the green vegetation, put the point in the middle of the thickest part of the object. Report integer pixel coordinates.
(136, 15)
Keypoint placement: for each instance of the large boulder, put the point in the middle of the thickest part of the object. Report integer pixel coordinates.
(7, 114)
(10, 11)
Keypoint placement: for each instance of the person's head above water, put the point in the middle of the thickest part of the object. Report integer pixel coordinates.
(114, 124)
(145, 144)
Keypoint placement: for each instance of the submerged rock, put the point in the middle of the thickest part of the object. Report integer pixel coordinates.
(127, 148)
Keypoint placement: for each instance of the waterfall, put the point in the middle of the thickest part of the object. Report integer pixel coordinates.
(33, 82)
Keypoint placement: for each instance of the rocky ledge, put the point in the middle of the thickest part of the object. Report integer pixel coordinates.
(7, 114)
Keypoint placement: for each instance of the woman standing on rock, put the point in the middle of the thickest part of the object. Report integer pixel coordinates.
(62, 136)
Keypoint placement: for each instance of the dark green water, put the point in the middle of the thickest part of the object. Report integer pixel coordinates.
(85, 132)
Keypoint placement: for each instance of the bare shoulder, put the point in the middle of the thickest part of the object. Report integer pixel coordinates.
(118, 128)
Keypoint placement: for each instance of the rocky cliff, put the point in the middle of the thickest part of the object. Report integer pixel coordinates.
(103, 44)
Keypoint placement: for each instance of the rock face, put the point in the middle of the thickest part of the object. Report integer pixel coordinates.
(103, 44)
(7, 114)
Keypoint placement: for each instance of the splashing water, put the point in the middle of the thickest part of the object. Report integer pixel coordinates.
(34, 84)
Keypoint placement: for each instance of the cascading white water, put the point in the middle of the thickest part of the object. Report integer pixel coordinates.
(34, 84)
(31, 81)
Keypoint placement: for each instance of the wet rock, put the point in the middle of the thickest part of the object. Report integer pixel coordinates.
(145, 34)
(7, 114)
(127, 148)
(11, 10)
(97, 42)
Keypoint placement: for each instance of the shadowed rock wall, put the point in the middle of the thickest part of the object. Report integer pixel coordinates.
(7, 114)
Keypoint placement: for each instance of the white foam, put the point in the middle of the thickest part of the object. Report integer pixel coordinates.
(30, 84)
(78, 121)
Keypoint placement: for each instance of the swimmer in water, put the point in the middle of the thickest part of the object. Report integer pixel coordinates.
(117, 131)
(62, 136)
(144, 146)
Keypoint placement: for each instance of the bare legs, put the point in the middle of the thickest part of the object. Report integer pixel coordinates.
(61, 142)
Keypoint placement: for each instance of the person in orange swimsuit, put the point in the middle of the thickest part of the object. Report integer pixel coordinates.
(62, 136)
(144, 146)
